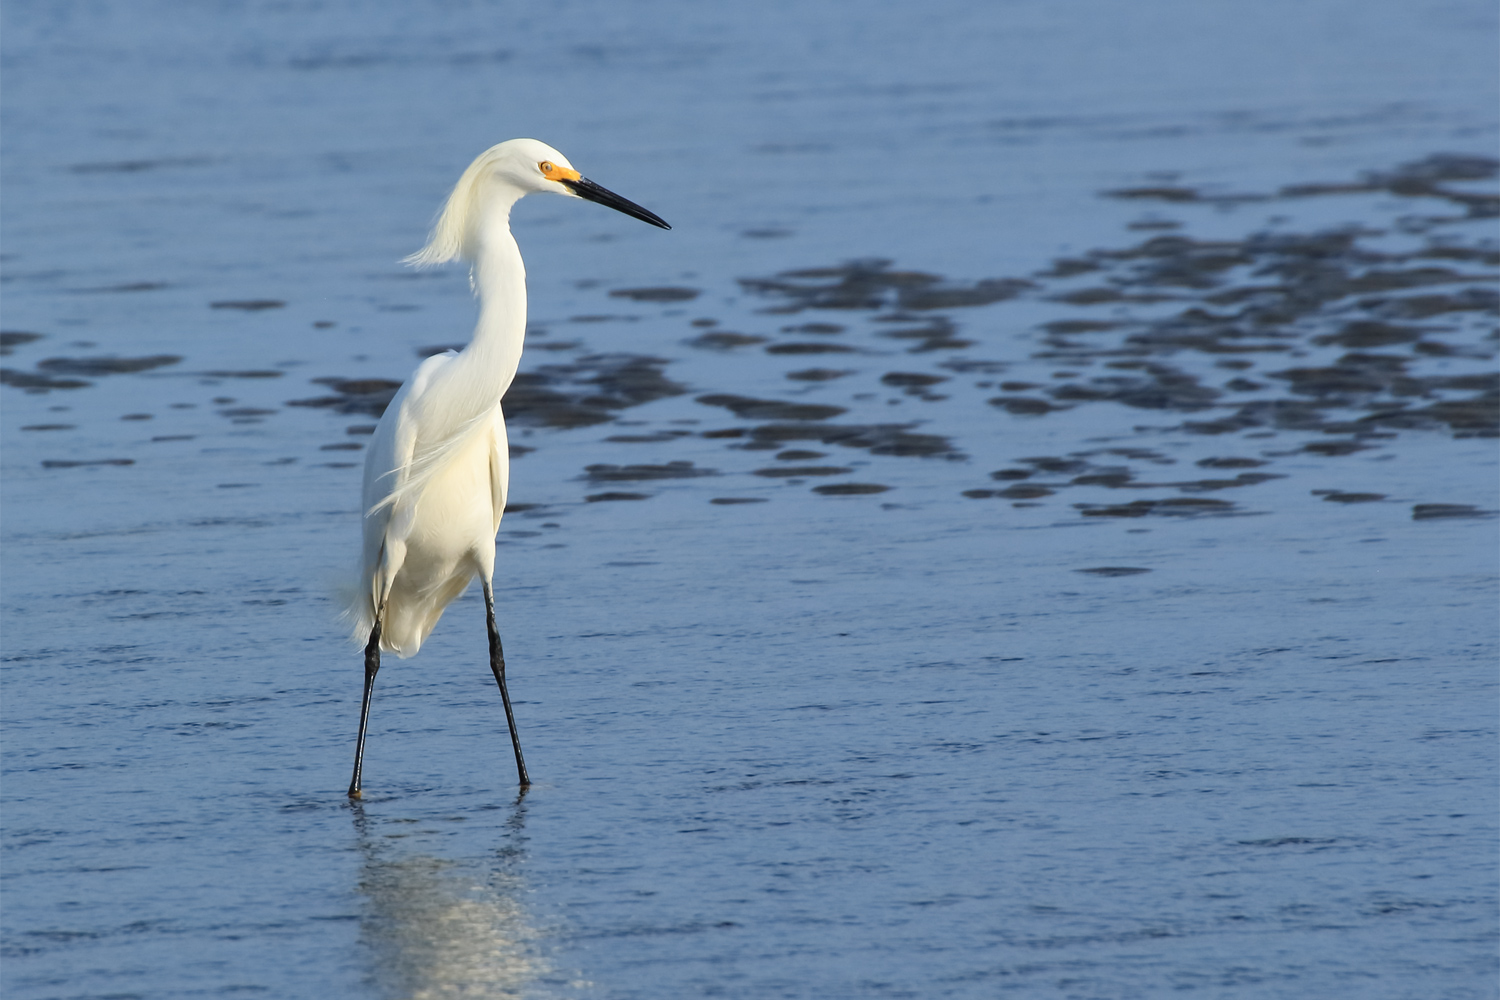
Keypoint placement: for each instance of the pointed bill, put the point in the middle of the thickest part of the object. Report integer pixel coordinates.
(587, 189)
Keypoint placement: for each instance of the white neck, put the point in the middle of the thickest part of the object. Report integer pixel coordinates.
(500, 282)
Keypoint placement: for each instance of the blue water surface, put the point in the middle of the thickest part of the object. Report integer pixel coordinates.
(914, 737)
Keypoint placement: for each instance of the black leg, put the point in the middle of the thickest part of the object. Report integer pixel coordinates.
(372, 667)
(497, 666)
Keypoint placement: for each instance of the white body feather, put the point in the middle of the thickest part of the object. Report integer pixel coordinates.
(438, 465)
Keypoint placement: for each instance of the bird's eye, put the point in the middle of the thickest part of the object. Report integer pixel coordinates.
(547, 166)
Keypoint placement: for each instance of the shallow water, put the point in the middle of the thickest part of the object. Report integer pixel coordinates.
(1028, 529)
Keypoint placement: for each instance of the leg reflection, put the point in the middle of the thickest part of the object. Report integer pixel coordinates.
(439, 927)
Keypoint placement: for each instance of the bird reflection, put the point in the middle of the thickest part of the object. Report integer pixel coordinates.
(441, 929)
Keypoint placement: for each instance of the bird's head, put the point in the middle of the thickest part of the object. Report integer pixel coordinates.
(502, 175)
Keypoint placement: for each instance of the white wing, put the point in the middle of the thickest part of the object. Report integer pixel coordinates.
(389, 461)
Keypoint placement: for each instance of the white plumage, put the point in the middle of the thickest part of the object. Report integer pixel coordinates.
(438, 464)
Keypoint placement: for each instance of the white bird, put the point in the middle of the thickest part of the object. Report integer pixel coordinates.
(438, 464)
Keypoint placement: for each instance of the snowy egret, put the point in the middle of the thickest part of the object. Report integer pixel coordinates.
(438, 463)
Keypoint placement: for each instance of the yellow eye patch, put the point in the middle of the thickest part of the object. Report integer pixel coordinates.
(553, 172)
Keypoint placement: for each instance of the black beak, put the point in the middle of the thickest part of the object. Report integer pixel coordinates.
(585, 188)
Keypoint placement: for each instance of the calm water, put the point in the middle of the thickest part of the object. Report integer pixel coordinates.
(1027, 531)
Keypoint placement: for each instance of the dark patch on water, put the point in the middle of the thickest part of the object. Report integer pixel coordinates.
(967, 366)
(1019, 492)
(1077, 470)
(809, 348)
(849, 489)
(1338, 496)
(878, 439)
(62, 463)
(11, 339)
(655, 437)
(1103, 296)
(1048, 463)
(723, 340)
(49, 370)
(604, 497)
(870, 284)
(50, 427)
(133, 286)
(1422, 178)
(656, 294)
(248, 305)
(1438, 511)
(138, 166)
(1113, 571)
(1025, 406)
(818, 374)
(911, 380)
(1362, 334)
(1159, 386)
(39, 383)
(1486, 255)
(1313, 274)
(788, 471)
(1170, 507)
(1067, 327)
(1229, 463)
(1478, 416)
(1333, 449)
(1161, 193)
(1193, 485)
(360, 395)
(935, 334)
(246, 414)
(770, 409)
(725, 501)
(604, 473)
(1067, 267)
(367, 60)
(587, 391)
(96, 367)
(1426, 306)
(954, 295)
